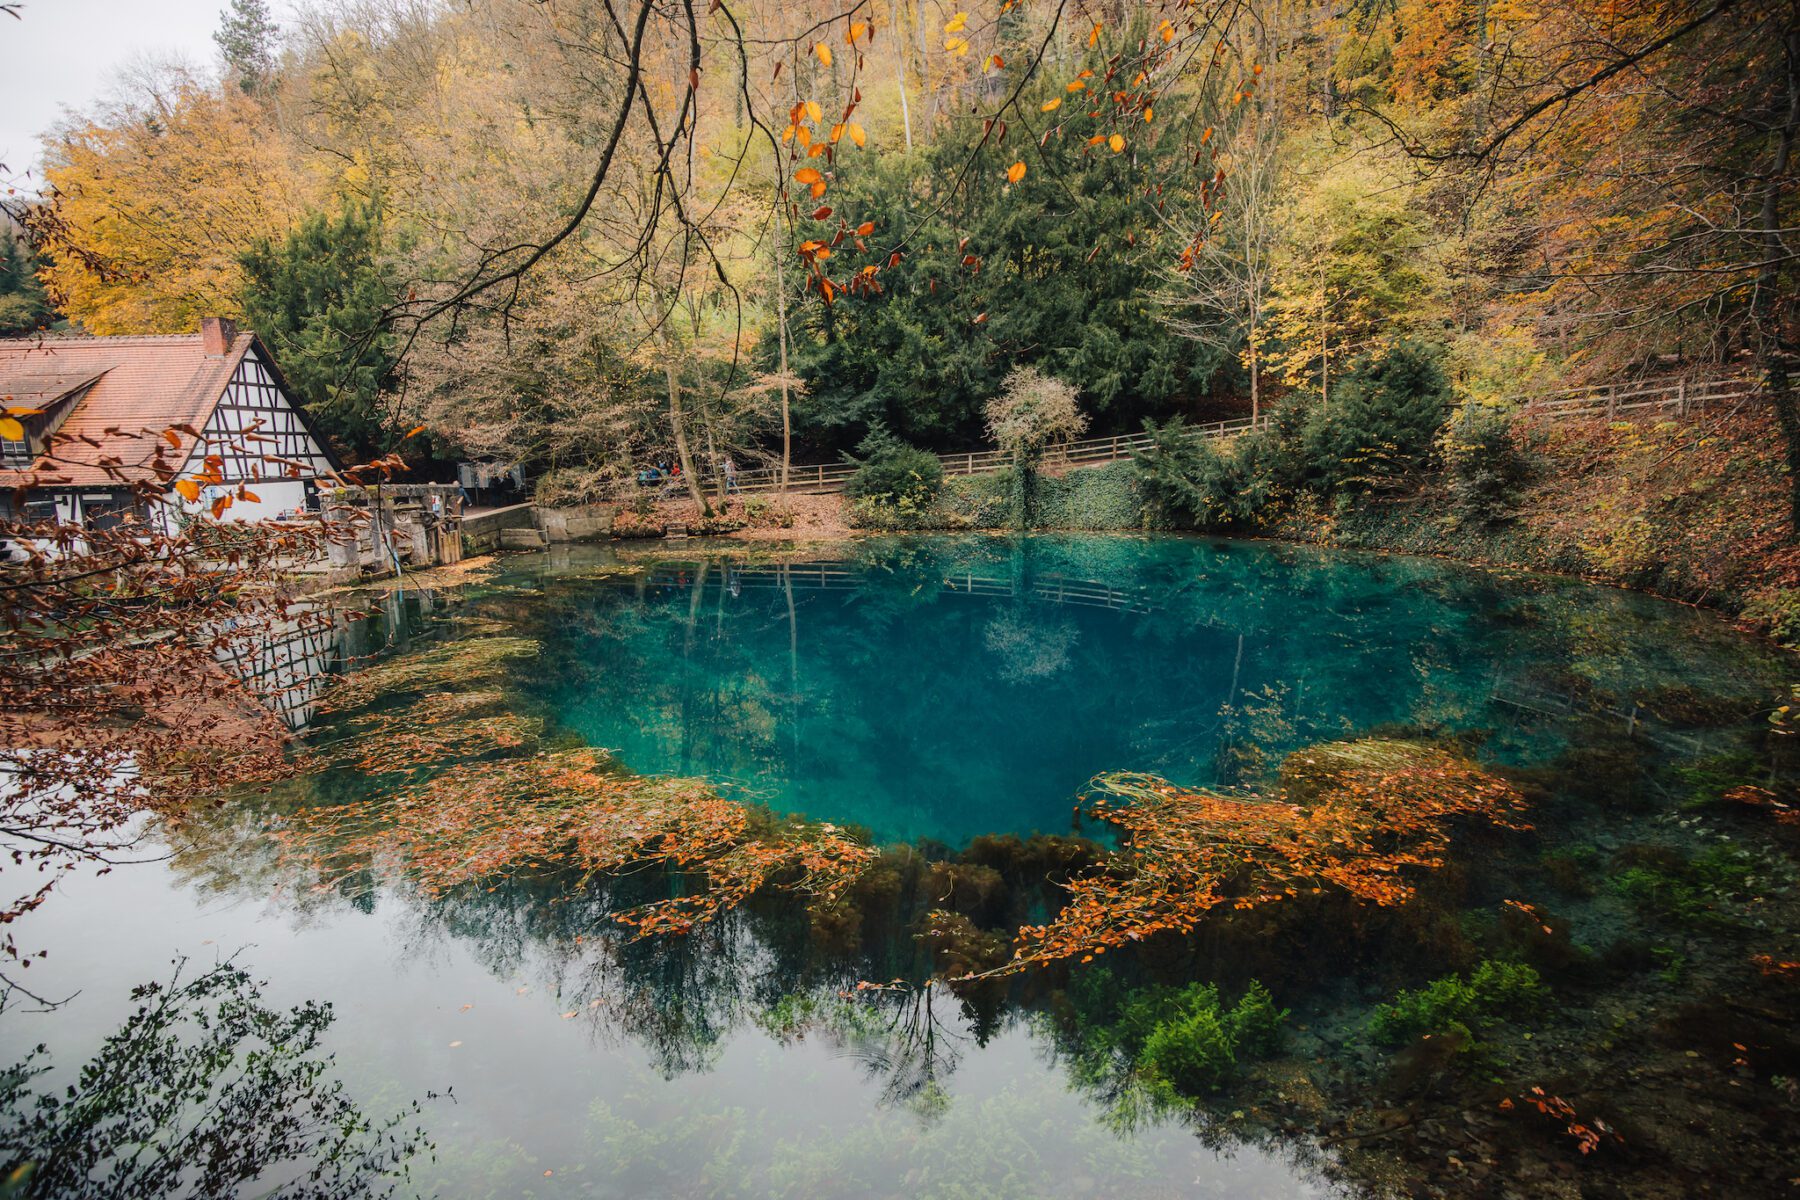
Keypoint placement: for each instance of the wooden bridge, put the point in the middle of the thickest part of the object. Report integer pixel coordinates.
(1611, 401)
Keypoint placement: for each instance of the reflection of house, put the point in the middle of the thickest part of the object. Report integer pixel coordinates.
(102, 403)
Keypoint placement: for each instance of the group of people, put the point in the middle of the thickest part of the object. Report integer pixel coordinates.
(666, 476)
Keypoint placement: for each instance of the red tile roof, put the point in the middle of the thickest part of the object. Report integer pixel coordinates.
(145, 385)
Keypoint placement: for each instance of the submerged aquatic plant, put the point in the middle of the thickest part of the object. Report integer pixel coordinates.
(1359, 817)
(478, 822)
(1493, 991)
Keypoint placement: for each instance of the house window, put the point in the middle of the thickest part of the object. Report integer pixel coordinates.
(105, 511)
(15, 455)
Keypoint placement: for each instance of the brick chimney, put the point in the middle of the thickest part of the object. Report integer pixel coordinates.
(217, 334)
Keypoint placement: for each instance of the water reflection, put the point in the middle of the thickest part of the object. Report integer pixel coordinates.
(941, 688)
(933, 689)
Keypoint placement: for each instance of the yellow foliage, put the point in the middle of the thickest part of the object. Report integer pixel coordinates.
(153, 211)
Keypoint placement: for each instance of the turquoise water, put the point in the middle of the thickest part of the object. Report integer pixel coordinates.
(932, 688)
(946, 687)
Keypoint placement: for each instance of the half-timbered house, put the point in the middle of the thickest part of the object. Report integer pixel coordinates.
(98, 405)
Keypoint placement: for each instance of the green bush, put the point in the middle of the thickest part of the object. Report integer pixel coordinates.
(1188, 481)
(1494, 991)
(1381, 422)
(890, 472)
(1486, 465)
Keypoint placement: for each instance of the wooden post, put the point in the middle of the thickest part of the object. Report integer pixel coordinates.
(1612, 402)
(1681, 398)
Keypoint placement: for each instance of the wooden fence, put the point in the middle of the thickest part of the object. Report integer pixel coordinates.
(1612, 401)
(1679, 397)
(1090, 452)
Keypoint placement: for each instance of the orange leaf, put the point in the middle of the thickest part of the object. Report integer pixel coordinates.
(818, 189)
(1050, 105)
(1015, 172)
(823, 51)
(865, 229)
(807, 175)
(1094, 36)
(1116, 142)
(190, 491)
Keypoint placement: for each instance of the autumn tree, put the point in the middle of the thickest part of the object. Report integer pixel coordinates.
(1645, 160)
(152, 204)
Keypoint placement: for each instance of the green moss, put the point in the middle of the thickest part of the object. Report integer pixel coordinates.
(1493, 992)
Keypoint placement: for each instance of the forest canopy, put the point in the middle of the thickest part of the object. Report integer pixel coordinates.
(594, 235)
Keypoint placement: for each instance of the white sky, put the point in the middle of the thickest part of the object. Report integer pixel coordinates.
(62, 54)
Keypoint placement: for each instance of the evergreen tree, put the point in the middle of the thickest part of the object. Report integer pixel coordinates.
(23, 305)
(246, 38)
(1052, 269)
(317, 300)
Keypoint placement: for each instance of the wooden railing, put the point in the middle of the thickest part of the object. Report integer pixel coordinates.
(1680, 397)
(1614, 400)
(1087, 453)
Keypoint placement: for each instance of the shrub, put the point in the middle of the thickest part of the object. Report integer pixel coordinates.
(1494, 991)
(1487, 468)
(1189, 481)
(1192, 1053)
(891, 472)
(1381, 421)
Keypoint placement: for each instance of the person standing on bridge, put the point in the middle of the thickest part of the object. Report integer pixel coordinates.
(730, 475)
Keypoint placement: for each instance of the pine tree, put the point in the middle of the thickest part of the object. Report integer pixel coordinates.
(23, 305)
(246, 38)
(317, 300)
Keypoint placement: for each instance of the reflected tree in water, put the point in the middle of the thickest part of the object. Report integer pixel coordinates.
(205, 1091)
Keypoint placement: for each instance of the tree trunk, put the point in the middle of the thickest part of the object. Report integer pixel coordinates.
(787, 425)
(1768, 307)
(677, 422)
(1255, 392)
